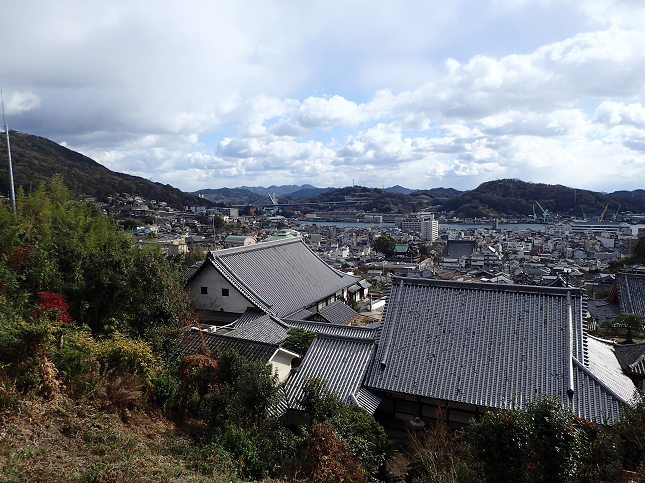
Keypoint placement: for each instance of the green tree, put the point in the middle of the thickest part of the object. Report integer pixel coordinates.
(625, 323)
(499, 442)
(248, 390)
(384, 244)
(298, 341)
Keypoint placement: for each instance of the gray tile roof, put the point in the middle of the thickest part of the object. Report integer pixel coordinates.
(602, 310)
(304, 314)
(338, 312)
(189, 272)
(631, 358)
(336, 330)
(280, 277)
(488, 345)
(249, 315)
(631, 293)
(191, 343)
(342, 363)
(604, 363)
(461, 248)
(267, 329)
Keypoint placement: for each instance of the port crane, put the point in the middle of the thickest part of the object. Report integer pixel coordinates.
(603, 213)
(545, 212)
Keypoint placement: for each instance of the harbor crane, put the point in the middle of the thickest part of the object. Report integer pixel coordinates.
(603, 213)
(545, 212)
(616, 215)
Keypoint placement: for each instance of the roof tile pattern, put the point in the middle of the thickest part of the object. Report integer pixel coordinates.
(324, 328)
(604, 364)
(341, 362)
(338, 312)
(481, 344)
(631, 293)
(249, 315)
(281, 277)
(592, 400)
(631, 358)
(264, 329)
(191, 343)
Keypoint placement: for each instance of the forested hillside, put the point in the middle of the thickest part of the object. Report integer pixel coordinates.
(515, 197)
(36, 159)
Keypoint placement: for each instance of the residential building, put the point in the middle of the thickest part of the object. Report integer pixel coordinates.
(279, 278)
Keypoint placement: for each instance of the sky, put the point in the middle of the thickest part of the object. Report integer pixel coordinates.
(423, 94)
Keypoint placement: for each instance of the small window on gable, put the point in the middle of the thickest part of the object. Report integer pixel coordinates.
(204, 290)
(224, 292)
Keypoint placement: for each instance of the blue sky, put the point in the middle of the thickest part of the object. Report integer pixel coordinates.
(422, 94)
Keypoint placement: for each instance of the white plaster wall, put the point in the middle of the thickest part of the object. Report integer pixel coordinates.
(281, 362)
(210, 278)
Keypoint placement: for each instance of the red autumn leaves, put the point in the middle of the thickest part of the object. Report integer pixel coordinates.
(54, 305)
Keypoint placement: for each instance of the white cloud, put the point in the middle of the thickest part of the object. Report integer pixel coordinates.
(20, 101)
(614, 114)
(420, 92)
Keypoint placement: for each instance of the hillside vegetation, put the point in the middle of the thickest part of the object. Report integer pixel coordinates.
(516, 198)
(36, 159)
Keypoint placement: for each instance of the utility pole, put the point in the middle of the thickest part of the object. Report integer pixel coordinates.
(6, 129)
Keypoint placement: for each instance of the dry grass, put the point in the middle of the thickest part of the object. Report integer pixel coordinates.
(59, 440)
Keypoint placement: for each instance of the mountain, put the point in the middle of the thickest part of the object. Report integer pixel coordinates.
(399, 189)
(307, 192)
(231, 196)
(629, 194)
(277, 190)
(514, 197)
(36, 159)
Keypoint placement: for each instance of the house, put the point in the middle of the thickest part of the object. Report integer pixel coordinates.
(280, 278)
(457, 350)
(194, 341)
(335, 313)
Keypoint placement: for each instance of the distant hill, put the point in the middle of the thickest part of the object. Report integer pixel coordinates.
(514, 197)
(440, 192)
(307, 192)
(278, 190)
(36, 159)
(399, 189)
(371, 199)
(231, 196)
(629, 194)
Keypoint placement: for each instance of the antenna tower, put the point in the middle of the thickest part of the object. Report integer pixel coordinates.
(6, 129)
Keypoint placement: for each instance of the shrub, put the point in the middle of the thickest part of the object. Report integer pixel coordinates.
(133, 356)
(499, 442)
(328, 459)
(247, 389)
(436, 455)
(166, 388)
(631, 431)
(365, 438)
(250, 452)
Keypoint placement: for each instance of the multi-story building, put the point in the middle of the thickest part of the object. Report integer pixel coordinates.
(423, 223)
